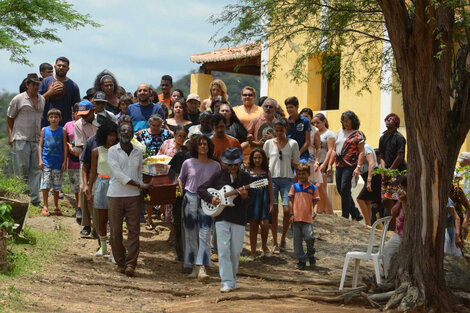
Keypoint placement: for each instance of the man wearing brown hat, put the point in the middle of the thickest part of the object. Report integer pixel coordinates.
(24, 129)
(193, 102)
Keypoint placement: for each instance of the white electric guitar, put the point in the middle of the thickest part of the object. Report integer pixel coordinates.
(226, 195)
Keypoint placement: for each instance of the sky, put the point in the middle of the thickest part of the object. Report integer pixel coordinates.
(139, 41)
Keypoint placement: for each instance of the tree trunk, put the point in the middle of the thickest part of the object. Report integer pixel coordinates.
(423, 48)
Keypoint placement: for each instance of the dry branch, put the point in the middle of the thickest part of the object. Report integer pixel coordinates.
(292, 280)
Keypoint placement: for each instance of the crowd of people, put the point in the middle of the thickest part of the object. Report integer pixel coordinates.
(52, 130)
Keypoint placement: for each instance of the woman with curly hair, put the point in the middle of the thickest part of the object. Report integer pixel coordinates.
(195, 171)
(349, 151)
(106, 82)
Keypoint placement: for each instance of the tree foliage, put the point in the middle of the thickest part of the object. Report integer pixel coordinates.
(427, 41)
(25, 21)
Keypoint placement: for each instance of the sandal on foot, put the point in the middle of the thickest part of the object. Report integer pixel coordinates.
(276, 250)
(58, 212)
(45, 212)
(148, 226)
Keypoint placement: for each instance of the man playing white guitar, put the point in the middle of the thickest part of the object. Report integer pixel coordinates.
(230, 223)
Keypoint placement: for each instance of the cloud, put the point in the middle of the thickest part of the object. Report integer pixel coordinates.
(139, 42)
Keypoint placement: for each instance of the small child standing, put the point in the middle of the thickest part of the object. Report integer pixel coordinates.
(73, 164)
(303, 197)
(52, 159)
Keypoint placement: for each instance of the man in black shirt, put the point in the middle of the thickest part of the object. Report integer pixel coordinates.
(392, 152)
(193, 102)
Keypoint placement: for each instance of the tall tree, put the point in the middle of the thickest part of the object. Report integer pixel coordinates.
(429, 42)
(25, 21)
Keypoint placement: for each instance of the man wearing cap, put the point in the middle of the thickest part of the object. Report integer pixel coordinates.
(24, 129)
(193, 101)
(141, 111)
(61, 95)
(230, 224)
(392, 152)
(100, 101)
(84, 129)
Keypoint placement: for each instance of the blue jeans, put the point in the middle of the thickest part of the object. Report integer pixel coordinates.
(230, 244)
(343, 185)
(197, 232)
(281, 185)
(26, 166)
(303, 232)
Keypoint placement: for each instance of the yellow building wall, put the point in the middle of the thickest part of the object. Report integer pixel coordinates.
(200, 84)
(366, 106)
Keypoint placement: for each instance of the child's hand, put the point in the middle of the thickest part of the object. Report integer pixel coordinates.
(41, 165)
(314, 215)
(271, 208)
(291, 219)
(64, 166)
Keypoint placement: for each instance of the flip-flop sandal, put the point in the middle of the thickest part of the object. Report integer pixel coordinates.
(148, 226)
(45, 212)
(58, 212)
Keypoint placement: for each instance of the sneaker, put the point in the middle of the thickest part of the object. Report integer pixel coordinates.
(130, 271)
(202, 275)
(37, 205)
(187, 270)
(101, 251)
(194, 272)
(276, 250)
(85, 231)
(251, 258)
(312, 261)
(267, 254)
(226, 288)
(111, 258)
(300, 265)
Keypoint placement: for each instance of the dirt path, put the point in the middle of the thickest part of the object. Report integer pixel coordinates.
(79, 282)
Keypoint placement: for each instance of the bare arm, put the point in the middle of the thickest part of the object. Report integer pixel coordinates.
(361, 159)
(370, 161)
(93, 172)
(41, 142)
(271, 192)
(453, 213)
(306, 143)
(64, 150)
(10, 123)
(400, 157)
(466, 205)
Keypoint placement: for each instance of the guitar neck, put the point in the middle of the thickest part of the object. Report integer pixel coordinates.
(234, 192)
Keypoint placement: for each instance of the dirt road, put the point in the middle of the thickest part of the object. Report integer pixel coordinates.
(80, 282)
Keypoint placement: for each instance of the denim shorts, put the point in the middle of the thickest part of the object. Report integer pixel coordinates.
(100, 200)
(282, 185)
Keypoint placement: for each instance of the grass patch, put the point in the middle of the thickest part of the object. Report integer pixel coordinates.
(33, 254)
(12, 186)
(11, 299)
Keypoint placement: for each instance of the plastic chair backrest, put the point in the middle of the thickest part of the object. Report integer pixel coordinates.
(386, 222)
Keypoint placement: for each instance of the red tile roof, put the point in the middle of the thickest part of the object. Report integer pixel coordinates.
(228, 54)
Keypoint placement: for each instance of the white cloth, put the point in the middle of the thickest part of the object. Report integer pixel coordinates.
(390, 249)
(290, 152)
(229, 246)
(324, 143)
(124, 168)
(27, 125)
(368, 150)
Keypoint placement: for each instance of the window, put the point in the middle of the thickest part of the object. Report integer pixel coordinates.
(331, 82)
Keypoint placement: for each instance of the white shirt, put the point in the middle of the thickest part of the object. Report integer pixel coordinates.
(290, 152)
(124, 168)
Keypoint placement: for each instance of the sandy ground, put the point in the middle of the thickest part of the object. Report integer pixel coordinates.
(80, 282)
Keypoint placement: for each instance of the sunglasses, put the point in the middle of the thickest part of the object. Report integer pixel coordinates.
(247, 95)
(280, 155)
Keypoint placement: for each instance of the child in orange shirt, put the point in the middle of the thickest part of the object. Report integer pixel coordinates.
(303, 197)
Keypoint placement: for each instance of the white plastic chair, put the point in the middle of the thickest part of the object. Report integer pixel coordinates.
(358, 256)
